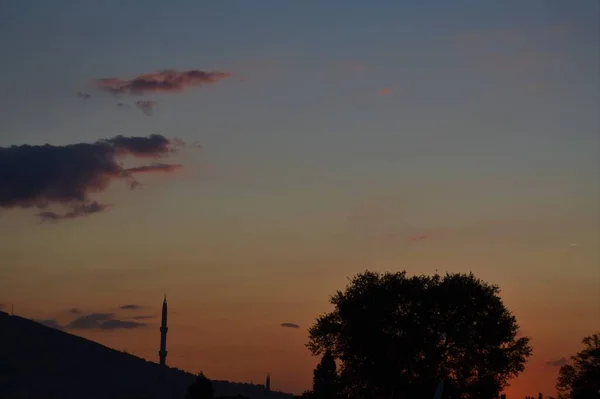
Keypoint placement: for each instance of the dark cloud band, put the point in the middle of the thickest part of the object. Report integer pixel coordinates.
(39, 176)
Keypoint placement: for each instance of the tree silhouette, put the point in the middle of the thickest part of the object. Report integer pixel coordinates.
(325, 378)
(398, 336)
(581, 379)
(201, 388)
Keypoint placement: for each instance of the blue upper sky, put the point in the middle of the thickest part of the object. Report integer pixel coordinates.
(491, 92)
(478, 90)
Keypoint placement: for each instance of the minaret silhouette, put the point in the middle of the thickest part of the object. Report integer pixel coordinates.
(162, 353)
(268, 382)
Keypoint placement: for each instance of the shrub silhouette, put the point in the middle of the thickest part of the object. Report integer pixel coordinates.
(201, 388)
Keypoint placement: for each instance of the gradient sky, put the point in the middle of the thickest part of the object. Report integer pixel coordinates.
(345, 131)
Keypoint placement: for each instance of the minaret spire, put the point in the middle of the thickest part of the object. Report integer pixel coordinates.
(162, 353)
(268, 382)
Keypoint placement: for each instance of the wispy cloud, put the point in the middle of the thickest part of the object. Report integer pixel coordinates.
(101, 321)
(143, 317)
(386, 91)
(93, 321)
(114, 324)
(147, 106)
(156, 167)
(557, 363)
(84, 95)
(131, 307)
(418, 237)
(39, 176)
(163, 81)
(289, 325)
(77, 210)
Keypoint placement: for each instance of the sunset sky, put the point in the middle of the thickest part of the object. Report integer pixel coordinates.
(322, 138)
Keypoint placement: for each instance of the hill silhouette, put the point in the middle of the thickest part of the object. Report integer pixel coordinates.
(41, 362)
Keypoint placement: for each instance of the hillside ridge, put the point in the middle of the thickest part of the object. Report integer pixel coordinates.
(39, 361)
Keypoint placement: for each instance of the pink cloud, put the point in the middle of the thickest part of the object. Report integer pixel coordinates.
(163, 81)
(384, 92)
(419, 237)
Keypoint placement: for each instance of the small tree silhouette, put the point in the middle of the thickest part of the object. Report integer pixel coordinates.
(581, 379)
(325, 378)
(201, 388)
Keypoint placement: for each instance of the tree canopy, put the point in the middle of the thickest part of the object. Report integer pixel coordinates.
(581, 378)
(398, 336)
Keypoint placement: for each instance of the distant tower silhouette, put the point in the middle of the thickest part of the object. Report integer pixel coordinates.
(268, 382)
(162, 353)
